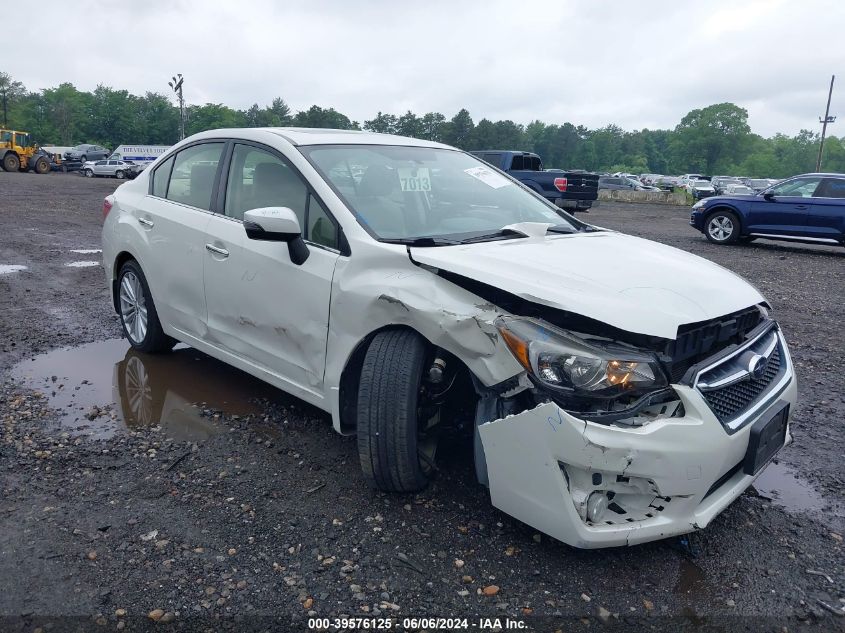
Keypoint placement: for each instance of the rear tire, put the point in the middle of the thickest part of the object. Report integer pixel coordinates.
(11, 162)
(387, 411)
(722, 227)
(138, 314)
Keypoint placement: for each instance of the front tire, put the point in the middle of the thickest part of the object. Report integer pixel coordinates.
(42, 166)
(138, 314)
(388, 411)
(89, 173)
(11, 162)
(722, 227)
(119, 175)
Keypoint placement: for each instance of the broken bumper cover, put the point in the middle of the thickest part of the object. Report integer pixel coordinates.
(671, 475)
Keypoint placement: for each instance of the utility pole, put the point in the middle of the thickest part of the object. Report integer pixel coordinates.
(176, 86)
(827, 119)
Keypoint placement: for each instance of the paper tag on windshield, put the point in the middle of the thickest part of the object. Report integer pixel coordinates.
(489, 178)
(414, 178)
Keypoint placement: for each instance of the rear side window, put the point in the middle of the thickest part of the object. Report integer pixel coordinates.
(493, 159)
(831, 188)
(193, 173)
(161, 176)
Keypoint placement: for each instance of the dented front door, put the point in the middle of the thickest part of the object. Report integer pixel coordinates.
(265, 309)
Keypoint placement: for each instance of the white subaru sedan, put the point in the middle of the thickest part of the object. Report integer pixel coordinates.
(617, 390)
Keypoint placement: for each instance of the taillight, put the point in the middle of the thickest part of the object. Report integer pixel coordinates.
(561, 184)
(107, 205)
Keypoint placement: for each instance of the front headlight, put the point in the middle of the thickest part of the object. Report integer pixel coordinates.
(572, 366)
(699, 204)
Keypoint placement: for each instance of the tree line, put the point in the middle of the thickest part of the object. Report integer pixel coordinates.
(712, 140)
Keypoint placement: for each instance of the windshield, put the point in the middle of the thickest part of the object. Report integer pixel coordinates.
(701, 184)
(406, 193)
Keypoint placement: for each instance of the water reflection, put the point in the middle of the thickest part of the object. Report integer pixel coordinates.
(102, 386)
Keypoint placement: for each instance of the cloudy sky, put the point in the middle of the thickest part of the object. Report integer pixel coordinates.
(640, 64)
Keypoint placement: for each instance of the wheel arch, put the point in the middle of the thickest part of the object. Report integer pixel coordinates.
(351, 374)
(119, 261)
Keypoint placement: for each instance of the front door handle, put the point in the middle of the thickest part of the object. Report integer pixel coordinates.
(145, 222)
(801, 207)
(217, 250)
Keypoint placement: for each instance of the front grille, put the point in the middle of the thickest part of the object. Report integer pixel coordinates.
(698, 341)
(733, 400)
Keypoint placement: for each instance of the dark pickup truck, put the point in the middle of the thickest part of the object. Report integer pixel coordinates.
(572, 190)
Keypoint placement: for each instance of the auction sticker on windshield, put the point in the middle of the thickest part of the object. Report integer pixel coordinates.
(489, 178)
(414, 178)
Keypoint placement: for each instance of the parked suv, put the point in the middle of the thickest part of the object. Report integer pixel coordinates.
(807, 208)
(617, 390)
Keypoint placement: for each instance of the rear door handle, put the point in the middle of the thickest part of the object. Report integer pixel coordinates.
(217, 250)
(145, 222)
(802, 207)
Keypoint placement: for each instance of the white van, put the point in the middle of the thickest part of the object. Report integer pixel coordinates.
(141, 155)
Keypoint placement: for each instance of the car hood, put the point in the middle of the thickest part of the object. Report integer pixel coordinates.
(629, 283)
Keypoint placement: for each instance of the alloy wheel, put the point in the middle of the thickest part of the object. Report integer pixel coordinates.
(133, 307)
(720, 228)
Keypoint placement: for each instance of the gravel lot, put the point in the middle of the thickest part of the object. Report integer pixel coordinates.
(243, 509)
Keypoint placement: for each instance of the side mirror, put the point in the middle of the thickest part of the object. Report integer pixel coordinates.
(769, 196)
(277, 224)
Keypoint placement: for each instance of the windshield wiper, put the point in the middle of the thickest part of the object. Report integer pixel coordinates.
(496, 235)
(423, 241)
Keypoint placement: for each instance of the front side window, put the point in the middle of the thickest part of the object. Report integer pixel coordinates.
(193, 173)
(258, 179)
(321, 228)
(404, 193)
(797, 187)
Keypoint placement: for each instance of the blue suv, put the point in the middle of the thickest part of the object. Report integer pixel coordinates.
(808, 208)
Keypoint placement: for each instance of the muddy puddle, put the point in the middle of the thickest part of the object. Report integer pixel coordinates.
(691, 578)
(780, 484)
(105, 386)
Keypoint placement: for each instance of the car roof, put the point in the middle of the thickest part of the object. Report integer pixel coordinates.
(323, 136)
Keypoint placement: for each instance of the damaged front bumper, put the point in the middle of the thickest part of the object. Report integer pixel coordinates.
(667, 477)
